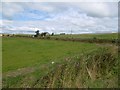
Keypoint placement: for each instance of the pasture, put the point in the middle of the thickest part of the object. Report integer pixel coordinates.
(24, 52)
(27, 62)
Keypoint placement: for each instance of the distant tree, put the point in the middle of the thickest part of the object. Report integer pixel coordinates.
(94, 38)
(52, 34)
(37, 33)
(44, 34)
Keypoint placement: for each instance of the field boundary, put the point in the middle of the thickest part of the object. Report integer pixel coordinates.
(87, 40)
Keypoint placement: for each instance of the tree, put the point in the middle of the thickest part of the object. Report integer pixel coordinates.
(52, 34)
(44, 34)
(37, 33)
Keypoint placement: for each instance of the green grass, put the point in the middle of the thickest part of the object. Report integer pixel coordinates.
(24, 52)
(94, 69)
(69, 69)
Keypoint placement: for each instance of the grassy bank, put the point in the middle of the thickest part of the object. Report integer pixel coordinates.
(98, 69)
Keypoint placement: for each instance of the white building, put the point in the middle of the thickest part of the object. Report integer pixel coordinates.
(0, 35)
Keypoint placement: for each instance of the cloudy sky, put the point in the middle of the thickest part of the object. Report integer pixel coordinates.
(59, 17)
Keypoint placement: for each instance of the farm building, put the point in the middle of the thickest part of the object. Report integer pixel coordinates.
(45, 34)
(62, 33)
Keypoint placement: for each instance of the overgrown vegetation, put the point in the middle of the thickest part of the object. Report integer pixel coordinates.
(98, 69)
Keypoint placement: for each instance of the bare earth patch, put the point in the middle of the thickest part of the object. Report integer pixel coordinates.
(21, 71)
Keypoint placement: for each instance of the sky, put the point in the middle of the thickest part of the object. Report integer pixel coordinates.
(59, 17)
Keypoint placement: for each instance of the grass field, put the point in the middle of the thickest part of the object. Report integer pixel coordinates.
(23, 52)
(27, 62)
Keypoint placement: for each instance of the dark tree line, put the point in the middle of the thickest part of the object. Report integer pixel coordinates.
(42, 34)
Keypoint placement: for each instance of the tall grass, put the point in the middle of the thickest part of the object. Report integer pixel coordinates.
(97, 69)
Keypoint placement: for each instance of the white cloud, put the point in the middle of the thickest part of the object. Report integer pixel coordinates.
(60, 0)
(10, 9)
(86, 24)
(96, 9)
(78, 17)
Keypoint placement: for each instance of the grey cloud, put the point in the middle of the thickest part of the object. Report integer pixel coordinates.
(99, 9)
